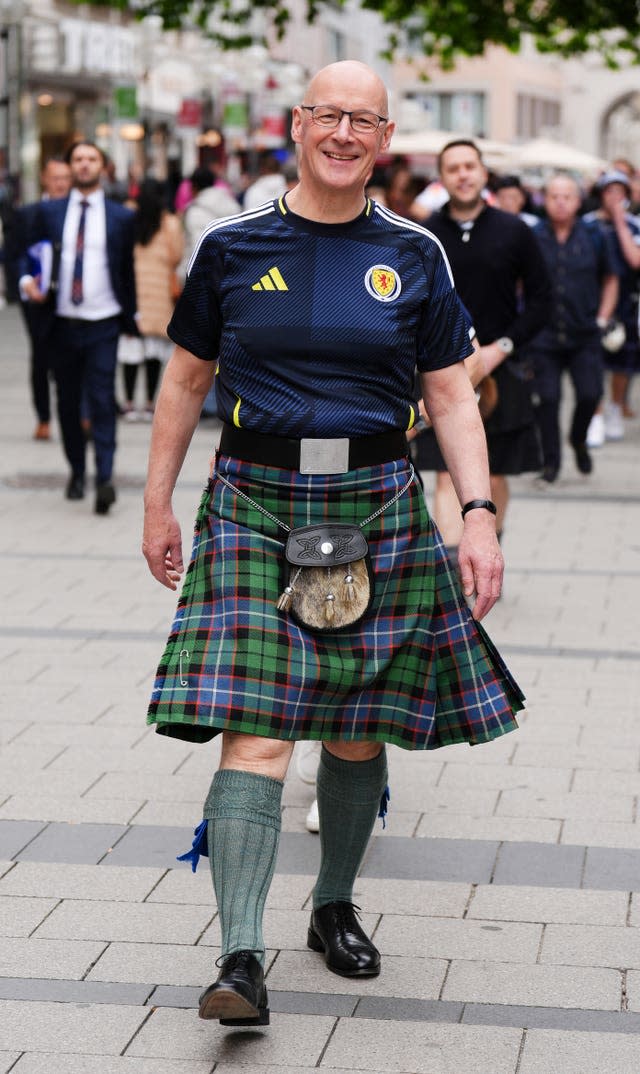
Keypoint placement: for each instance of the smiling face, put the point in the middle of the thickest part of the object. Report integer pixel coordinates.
(339, 162)
(463, 176)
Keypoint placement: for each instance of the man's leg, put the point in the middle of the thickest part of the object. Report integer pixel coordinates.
(101, 351)
(548, 372)
(67, 362)
(243, 831)
(352, 778)
(586, 370)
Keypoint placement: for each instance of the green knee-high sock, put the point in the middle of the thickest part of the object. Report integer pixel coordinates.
(349, 794)
(243, 811)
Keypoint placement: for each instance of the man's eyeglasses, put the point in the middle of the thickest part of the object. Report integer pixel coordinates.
(325, 115)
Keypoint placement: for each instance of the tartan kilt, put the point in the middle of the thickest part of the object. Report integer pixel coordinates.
(418, 671)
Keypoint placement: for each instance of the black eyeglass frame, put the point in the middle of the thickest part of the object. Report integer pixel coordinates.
(343, 112)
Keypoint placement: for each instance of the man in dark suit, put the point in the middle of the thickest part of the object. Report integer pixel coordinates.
(55, 181)
(91, 302)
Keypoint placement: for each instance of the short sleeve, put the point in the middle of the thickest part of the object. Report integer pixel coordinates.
(443, 332)
(196, 324)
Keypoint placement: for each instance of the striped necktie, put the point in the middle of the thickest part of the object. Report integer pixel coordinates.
(76, 282)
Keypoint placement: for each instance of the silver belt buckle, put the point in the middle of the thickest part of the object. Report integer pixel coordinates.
(324, 456)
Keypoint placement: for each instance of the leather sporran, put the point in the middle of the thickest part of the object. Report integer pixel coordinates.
(328, 580)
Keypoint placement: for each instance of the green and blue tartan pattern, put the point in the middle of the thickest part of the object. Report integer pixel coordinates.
(418, 671)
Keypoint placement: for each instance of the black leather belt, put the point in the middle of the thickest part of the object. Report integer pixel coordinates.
(313, 455)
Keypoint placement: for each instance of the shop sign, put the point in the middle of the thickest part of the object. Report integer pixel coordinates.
(125, 102)
(190, 114)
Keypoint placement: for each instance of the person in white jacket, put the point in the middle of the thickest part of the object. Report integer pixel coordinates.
(212, 201)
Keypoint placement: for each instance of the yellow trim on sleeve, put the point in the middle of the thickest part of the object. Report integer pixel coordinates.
(412, 419)
(236, 413)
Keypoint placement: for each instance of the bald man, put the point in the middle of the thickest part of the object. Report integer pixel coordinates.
(315, 309)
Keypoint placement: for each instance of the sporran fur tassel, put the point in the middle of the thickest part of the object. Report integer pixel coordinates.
(284, 600)
(349, 591)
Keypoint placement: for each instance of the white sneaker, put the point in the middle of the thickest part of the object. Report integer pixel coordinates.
(312, 820)
(614, 422)
(307, 760)
(595, 433)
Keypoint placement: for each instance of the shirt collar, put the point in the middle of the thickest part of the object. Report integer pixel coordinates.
(96, 197)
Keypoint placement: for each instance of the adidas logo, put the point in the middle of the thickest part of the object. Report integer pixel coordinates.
(271, 281)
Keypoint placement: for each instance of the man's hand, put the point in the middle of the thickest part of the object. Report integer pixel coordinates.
(162, 547)
(480, 562)
(31, 290)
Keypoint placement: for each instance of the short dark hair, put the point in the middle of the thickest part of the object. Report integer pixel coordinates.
(507, 182)
(84, 141)
(453, 144)
(201, 178)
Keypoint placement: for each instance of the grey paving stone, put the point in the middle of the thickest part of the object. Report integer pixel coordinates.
(137, 922)
(21, 957)
(64, 1063)
(591, 945)
(147, 845)
(444, 938)
(531, 985)
(549, 905)
(323, 1003)
(431, 859)
(494, 1014)
(553, 1052)
(415, 897)
(65, 809)
(15, 835)
(305, 971)
(498, 829)
(298, 853)
(540, 863)
(44, 990)
(64, 881)
(409, 1010)
(19, 917)
(175, 996)
(82, 844)
(63, 1027)
(612, 869)
(171, 964)
(8, 1061)
(290, 1040)
(364, 1044)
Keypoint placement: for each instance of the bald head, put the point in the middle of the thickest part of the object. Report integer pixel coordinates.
(350, 79)
(562, 200)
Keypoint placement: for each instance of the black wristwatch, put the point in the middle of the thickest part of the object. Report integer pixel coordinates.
(488, 505)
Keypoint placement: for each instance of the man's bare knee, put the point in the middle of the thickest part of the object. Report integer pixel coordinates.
(354, 751)
(252, 753)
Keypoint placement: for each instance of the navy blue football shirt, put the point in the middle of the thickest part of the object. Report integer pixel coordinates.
(318, 328)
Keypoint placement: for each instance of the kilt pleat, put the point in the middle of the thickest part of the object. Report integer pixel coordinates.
(418, 671)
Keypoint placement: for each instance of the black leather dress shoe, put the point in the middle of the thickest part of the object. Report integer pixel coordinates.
(105, 497)
(348, 951)
(239, 996)
(75, 488)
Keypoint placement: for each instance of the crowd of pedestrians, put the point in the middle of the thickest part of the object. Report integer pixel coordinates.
(549, 277)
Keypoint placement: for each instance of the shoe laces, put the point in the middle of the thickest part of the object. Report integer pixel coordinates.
(345, 909)
(239, 957)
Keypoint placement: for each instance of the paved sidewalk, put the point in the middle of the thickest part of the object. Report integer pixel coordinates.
(503, 893)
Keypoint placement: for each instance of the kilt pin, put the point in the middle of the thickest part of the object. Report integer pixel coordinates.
(417, 672)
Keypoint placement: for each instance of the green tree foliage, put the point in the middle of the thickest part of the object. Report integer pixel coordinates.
(442, 29)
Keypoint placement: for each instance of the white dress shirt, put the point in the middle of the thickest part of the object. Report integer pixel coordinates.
(98, 301)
